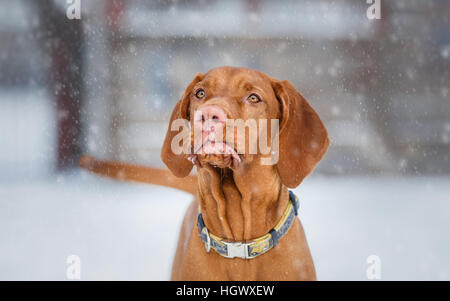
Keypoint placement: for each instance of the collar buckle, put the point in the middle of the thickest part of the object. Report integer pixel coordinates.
(237, 249)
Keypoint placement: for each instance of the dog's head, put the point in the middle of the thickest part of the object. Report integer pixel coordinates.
(231, 111)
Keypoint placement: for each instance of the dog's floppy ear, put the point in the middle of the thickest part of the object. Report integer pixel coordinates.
(303, 138)
(177, 163)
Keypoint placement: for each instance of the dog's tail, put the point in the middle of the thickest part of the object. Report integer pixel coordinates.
(128, 172)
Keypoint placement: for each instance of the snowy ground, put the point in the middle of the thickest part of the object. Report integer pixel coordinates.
(126, 231)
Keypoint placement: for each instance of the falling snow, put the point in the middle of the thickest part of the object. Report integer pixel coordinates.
(106, 85)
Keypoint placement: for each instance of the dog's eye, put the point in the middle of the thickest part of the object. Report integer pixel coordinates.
(254, 98)
(200, 93)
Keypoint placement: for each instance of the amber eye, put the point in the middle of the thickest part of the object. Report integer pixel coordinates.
(200, 93)
(253, 98)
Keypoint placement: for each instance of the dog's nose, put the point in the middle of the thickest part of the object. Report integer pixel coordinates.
(210, 116)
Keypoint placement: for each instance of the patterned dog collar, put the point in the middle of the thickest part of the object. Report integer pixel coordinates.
(256, 246)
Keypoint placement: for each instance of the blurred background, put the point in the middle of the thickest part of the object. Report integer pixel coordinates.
(105, 85)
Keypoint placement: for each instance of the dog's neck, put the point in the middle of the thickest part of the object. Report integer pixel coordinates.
(243, 204)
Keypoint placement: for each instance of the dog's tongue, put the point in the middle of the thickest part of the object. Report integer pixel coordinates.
(220, 148)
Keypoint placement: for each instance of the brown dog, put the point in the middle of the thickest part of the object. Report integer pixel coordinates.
(239, 198)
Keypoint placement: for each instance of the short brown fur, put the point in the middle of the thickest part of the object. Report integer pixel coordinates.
(239, 204)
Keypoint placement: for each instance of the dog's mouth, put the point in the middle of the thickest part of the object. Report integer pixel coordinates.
(216, 153)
